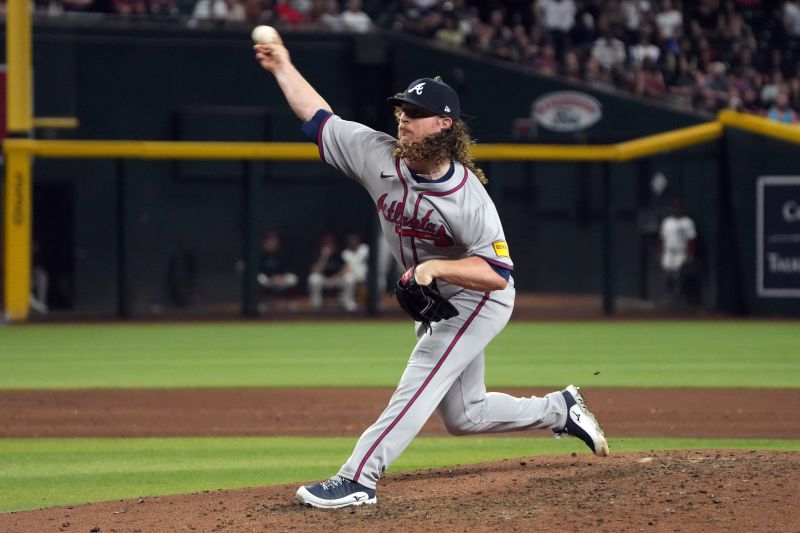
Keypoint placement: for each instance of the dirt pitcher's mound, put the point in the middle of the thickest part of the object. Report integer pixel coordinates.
(719, 413)
(672, 491)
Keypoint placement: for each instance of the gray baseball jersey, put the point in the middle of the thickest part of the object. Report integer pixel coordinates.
(449, 218)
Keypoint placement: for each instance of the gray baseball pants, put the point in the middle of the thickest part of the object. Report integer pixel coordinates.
(445, 373)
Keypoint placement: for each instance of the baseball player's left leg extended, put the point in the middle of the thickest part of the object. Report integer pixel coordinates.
(468, 409)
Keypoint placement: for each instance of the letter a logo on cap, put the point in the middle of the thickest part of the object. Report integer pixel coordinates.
(417, 88)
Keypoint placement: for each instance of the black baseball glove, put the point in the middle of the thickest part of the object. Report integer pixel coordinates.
(423, 303)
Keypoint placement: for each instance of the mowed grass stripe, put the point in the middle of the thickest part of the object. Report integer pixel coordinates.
(363, 353)
(37, 473)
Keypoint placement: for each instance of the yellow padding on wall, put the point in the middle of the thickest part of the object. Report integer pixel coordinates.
(305, 151)
(760, 125)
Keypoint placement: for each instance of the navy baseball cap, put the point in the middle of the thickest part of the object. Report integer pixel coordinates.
(431, 94)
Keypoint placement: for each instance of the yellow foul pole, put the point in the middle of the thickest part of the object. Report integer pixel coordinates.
(18, 189)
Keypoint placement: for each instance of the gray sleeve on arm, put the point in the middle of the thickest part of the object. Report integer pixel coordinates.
(486, 238)
(347, 146)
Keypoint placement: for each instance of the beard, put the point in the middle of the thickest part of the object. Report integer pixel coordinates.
(430, 148)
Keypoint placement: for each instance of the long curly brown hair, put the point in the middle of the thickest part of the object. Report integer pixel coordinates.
(451, 144)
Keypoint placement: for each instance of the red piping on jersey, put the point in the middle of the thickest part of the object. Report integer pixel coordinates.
(444, 240)
(433, 193)
(422, 387)
(405, 197)
(319, 138)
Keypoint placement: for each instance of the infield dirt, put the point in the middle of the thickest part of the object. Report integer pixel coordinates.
(658, 491)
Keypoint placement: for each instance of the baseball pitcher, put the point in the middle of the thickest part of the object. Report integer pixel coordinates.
(444, 230)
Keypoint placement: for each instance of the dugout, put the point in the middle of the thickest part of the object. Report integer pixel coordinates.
(126, 236)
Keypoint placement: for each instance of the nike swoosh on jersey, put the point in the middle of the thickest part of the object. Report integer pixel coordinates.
(384, 175)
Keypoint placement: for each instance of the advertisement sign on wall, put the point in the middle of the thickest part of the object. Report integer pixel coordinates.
(566, 111)
(778, 236)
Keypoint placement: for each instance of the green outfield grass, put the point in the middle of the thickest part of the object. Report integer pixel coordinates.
(365, 353)
(36, 473)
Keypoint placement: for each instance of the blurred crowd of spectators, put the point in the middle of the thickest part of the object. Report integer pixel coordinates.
(705, 55)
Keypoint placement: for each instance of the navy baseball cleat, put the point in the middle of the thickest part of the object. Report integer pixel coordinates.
(581, 422)
(335, 493)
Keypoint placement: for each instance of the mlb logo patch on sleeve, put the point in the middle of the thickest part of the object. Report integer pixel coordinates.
(500, 248)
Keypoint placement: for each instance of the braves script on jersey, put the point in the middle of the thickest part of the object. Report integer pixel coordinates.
(449, 218)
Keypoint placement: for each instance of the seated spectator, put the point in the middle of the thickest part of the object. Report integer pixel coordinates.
(292, 13)
(163, 8)
(519, 41)
(644, 49)
(483, 40)
(425, 5)
(704, 54)
(791, 18)
(556, 15)
(649, 82)
(744, 62)
(780, 110)
(406, 17)
(735, 36)
(669, 21)
(750, 103)
(356, 260)
(343, 272)
(51, 8)
(794, 93)
(740, 81)
(236, 12)
(355, 19)
(608, 50)
(449, 35)
(584, 32)
(327, 265)
(497, 19)
(545, 61)
(258, 12)
(207, 11)
(718, 83)
(596, 76)
(129, 8)
(735, 101)
(469, 21)
(430, 23)
(705, 17)
(771, 88)
(634, 13)
(682, 82)
(572, 67)
(331, 16)
(273, 277)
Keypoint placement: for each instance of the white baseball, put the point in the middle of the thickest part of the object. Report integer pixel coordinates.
(264, 35)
